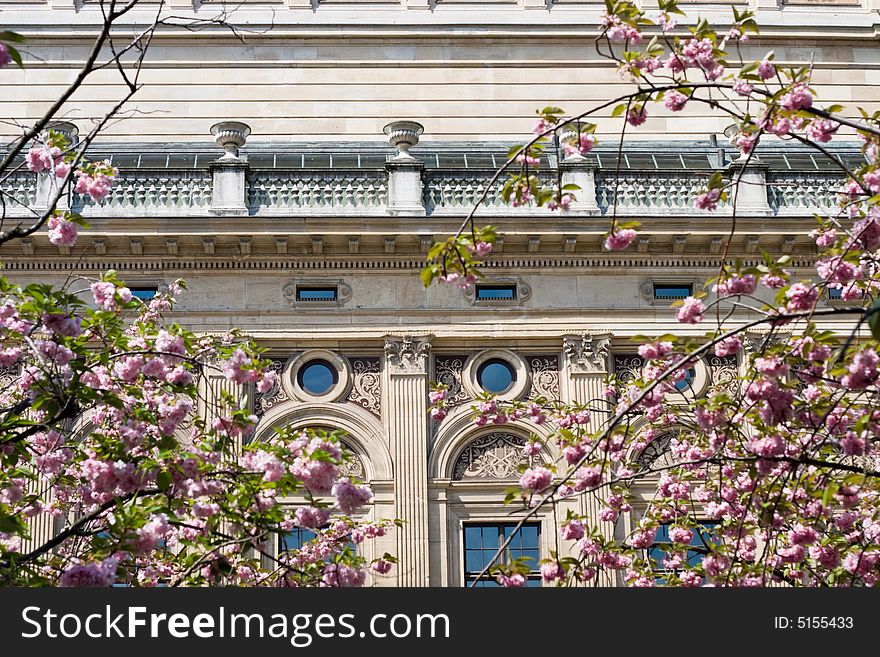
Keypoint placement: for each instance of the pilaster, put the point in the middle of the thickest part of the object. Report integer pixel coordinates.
(585, 372)
(406, 372)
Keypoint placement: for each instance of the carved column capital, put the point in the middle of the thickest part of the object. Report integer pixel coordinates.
(755, 342)
(587, 353)
(407, 355)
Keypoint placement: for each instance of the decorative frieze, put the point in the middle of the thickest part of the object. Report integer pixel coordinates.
(263, 401)
(725, 372)
(448, 372)
(366, 386)
(545, 376)
(628, 367)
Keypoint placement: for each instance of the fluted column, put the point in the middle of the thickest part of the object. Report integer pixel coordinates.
(212, 387)
(585, 373)
(407, 365)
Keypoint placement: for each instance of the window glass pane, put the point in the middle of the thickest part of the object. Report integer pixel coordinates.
(495, 376)
(473, 536)
(317, 161)
(143, 293)
(489, 292)
(261, 160)
(345, 160)
(672, 291)
(684, 384)
(181, 160)
(801, 161)
(316, 293)
(481, 541)
(700, 161)
(317, 377)
(373, 160)
(481, 161)
(294, 539)
(125, 160)
(668, 161)
(153, 160)
(289, 160)
(640, 161)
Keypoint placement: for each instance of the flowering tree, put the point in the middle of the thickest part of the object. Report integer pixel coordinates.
(773, 479)
(100, 433)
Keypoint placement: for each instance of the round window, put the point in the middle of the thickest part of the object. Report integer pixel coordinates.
(496, 376)
(685, 383)
(317, 377)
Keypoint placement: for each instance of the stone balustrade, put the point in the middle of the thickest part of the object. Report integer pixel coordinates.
(19, 191)
(304, 192)
(795, 193)
(640, 192)
(230, 185)
(148, 192)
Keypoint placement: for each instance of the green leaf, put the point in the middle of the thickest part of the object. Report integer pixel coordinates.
(16, 56)
(11, 524)
(11, 37)
(163, 480)
(620, 109)
(874, 319)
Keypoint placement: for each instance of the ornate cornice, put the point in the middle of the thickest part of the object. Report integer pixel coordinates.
(42, 263)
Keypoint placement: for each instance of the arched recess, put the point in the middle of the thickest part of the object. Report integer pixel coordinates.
(656, 453)
(458, 429)
(365, 434)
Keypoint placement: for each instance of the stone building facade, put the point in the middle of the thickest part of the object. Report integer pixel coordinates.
(309, 234)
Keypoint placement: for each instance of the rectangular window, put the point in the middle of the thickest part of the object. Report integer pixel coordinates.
(704, 536)
(143, 293)
(672, 291)
(316, 293)
(834, 292)
(482, 541)
(496, 292)
(294, 539)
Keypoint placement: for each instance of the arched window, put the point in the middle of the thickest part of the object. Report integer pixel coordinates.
(352, 466)
(658, 453)
(495, 455)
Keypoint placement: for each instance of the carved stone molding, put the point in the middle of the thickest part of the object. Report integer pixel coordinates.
(448, 372)
(263, 401)
(628, 367)
(725, 372)
(658, 453)
(496, 455)
(523, 293)
(351, 466)
(755, 342)
(407, 355)
(545, 376)
(588, 353)
(366, 388)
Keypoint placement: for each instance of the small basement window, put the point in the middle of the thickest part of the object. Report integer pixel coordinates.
(317, 293)
(144, 293)
(496, 292)
(672, 291)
